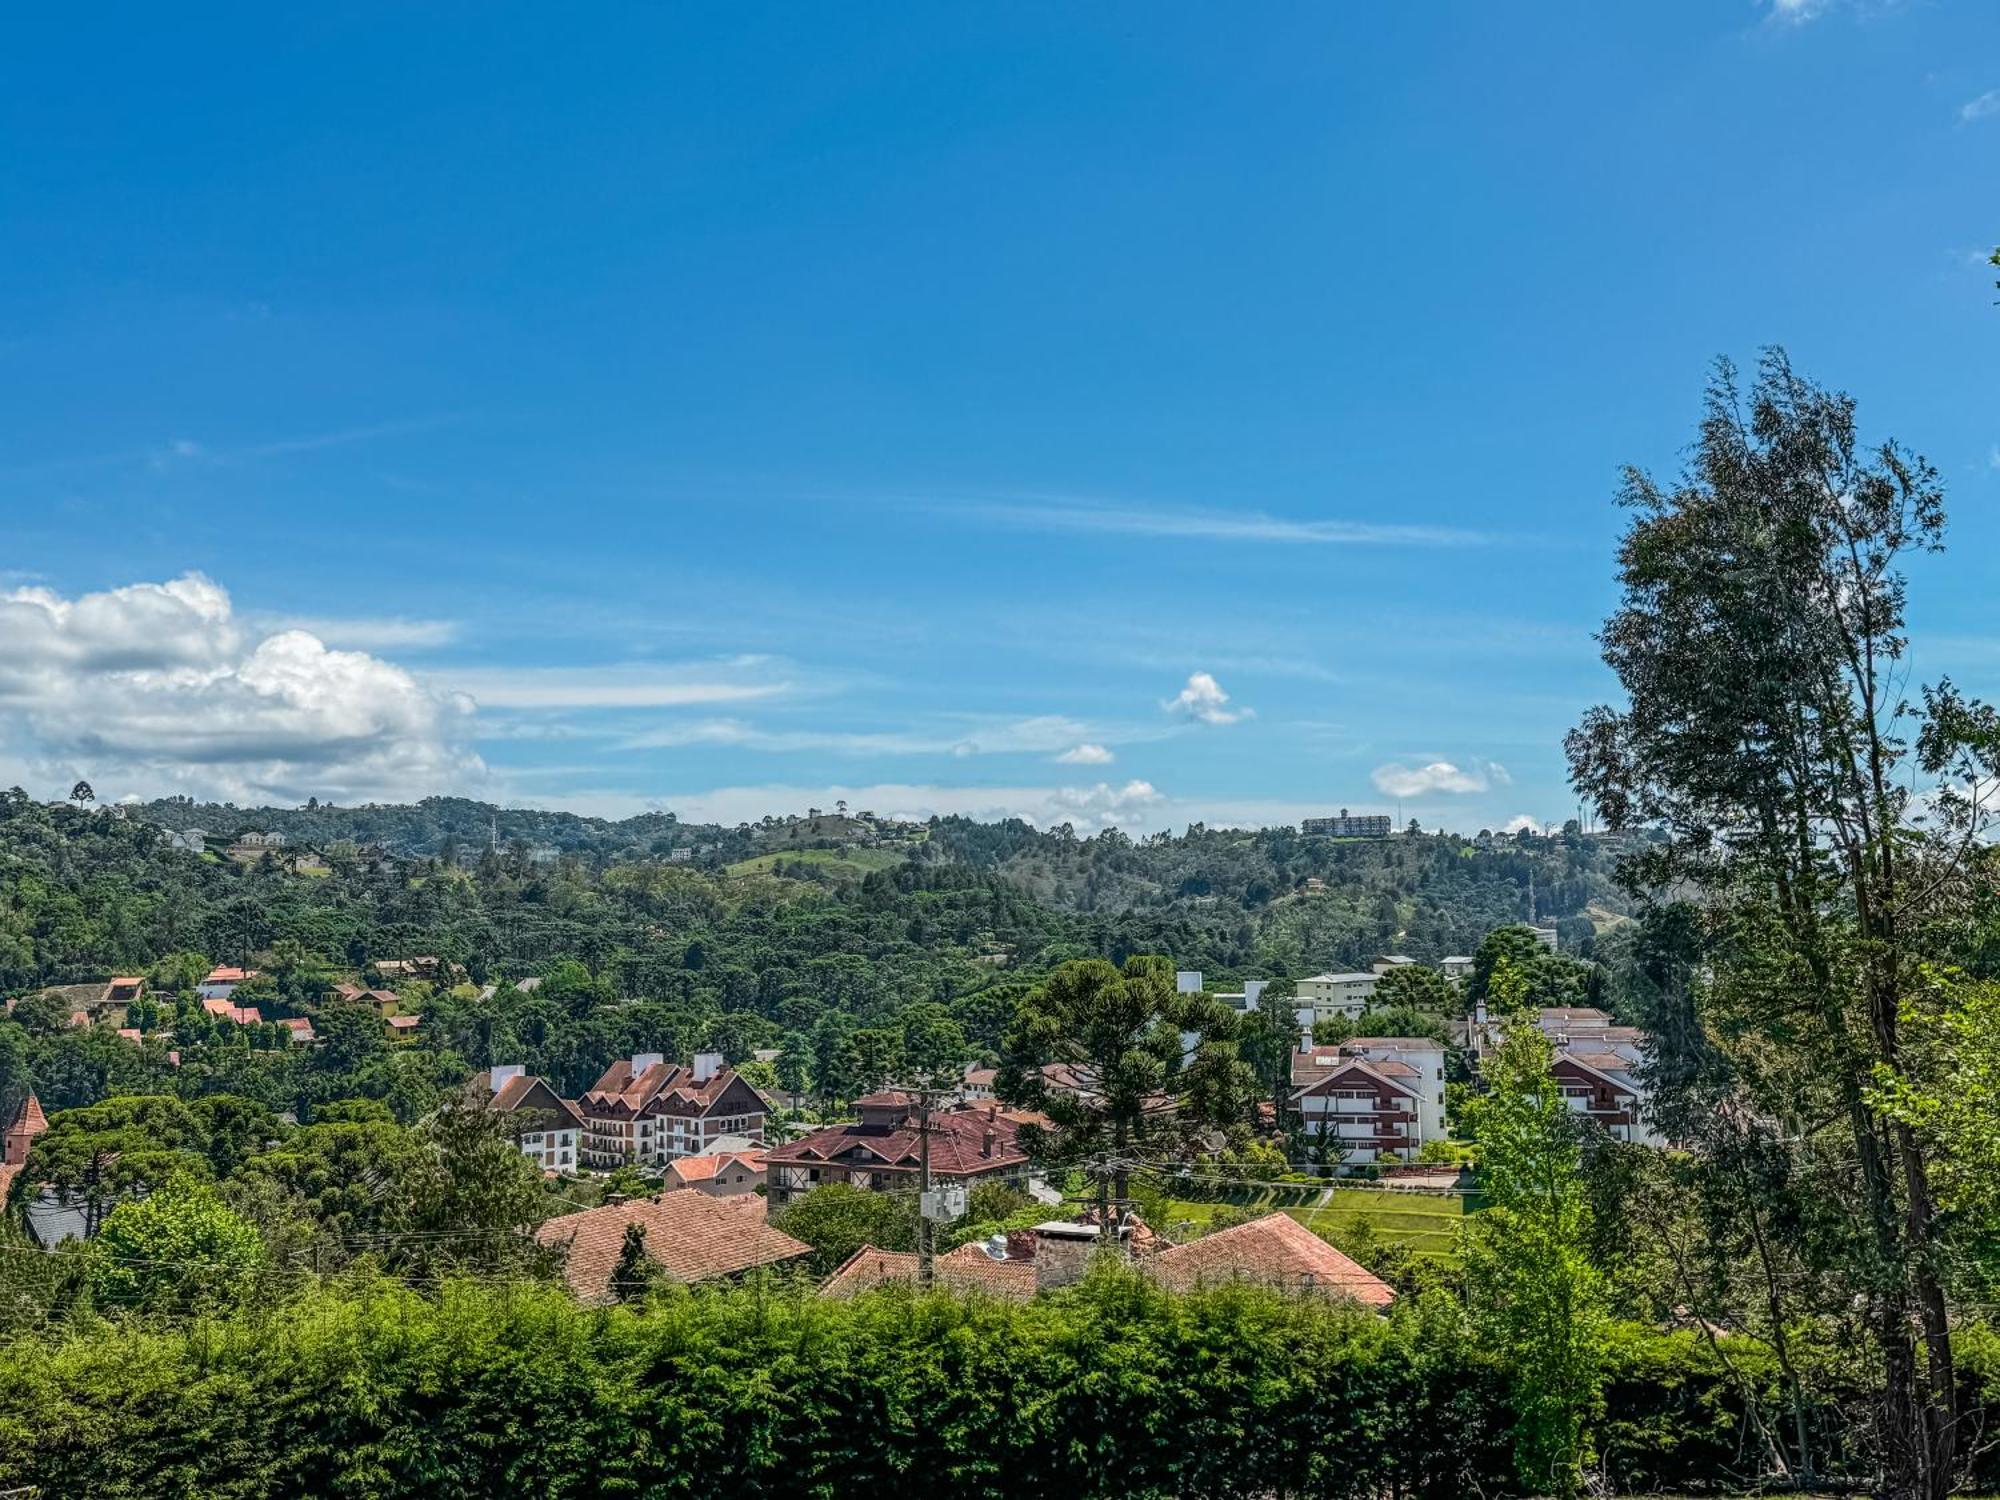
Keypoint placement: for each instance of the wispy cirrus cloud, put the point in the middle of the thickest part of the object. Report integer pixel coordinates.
(372, 632)
(956, 737)
(1194, 524)
(622, 685)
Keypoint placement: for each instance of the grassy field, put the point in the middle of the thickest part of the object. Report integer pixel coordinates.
(1427, 1223)
(857, 861)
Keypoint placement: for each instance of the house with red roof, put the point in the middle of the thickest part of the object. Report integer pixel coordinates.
(969, 1268)
(690, 1236)
(28, 1123)
(1276, 1251)
(720, 1174)
(220, 982)
(645, 1109)
(883, 1150)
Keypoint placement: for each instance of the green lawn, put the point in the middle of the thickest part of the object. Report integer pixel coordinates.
(1427, 1223)
(859, 861)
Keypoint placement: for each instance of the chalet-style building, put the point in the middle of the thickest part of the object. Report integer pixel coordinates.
(969, 1145)
(1597, 1067)
(647, 1110)
(542, 1123)
(1380, 1098)
(690, 1236)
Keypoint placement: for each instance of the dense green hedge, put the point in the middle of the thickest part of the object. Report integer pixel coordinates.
(1110, 1389)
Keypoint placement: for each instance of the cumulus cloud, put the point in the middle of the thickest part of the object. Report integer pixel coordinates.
(1522, 823)
(1103, 805)
(1440, 776)
(1086, 755)
(1204, 699)
(159, 687)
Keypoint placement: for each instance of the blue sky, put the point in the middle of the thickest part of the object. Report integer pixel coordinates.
(1127, 413)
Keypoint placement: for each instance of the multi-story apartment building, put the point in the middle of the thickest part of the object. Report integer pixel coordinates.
(646, 1110)
(543, 1124)
(1346, 994)
(1380, 1097)
(1597, 1067)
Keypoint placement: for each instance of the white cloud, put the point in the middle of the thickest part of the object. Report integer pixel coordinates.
(1798, 12)
(1086, 755)
(620, 685)
(1204, 699)
(1034, 736)
(1397, 780)
(1522, 822)
(1216, 525)
(158, 687)
(371, 633)
(1986, 105)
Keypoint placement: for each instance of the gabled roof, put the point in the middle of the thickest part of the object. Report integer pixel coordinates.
(709, 1165)
(670, 1087)
(968, 1268)
(692, 1236)
(1275, 1251)
(1352, 1070)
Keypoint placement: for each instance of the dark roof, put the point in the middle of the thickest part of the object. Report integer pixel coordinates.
(663, 1087)
(966, 1142)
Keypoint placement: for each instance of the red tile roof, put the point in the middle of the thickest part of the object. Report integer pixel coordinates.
(693, 1236)
(1275, 1251)
(522, 1091)
(966, 1269)
(693, 1169)
(223, 974)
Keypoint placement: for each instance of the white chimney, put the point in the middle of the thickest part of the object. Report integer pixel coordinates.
(644, 1060)
(1187, 981)
(706, 1066)
(1305, 1015)
(502, 1075)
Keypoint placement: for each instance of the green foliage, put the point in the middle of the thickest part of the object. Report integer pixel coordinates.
(178, 1248)
(1110, 1389)
(1537, 1299)
(837, 1219)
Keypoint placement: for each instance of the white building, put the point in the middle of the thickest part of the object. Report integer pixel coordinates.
(1329, 995)
(1189, 982)
(544, 1125)
(1457, 968)
(1379, 1098)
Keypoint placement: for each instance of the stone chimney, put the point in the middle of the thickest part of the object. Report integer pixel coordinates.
(1062, 1253)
